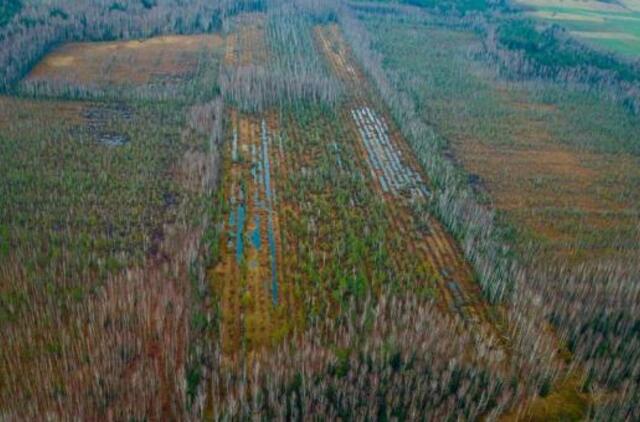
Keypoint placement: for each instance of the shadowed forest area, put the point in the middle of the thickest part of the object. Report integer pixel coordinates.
(318, 209)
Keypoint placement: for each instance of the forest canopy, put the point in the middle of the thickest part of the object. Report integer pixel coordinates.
(8, 8)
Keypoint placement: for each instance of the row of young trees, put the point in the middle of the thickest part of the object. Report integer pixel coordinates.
(293, 69)
(196, 88)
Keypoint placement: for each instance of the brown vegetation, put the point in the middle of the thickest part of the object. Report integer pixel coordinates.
(256, 304)
(157, 60)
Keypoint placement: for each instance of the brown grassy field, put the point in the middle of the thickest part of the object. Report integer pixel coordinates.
(560, 166)
(245, 44)
(565, 198)
(158, 60)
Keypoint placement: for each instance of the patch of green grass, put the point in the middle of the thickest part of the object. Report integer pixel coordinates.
(460, 6)
(623, 28)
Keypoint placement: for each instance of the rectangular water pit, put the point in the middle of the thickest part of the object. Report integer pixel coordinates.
(386, 162)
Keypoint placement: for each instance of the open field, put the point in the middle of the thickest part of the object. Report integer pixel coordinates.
(171, 62)
(610, 25)
(156, 60)
(565, 181)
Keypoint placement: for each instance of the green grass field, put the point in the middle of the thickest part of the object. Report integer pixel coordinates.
(612, 26)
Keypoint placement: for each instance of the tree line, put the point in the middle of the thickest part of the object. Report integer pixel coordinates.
(293, 69)
(524, 50)
(37, 29)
